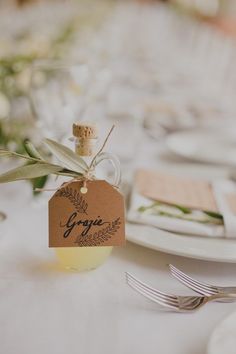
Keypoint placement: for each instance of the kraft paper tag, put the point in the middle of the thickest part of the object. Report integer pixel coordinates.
(194, 194)
(85, 220)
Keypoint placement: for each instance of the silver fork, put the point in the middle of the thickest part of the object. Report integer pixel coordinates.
(201, 287)
(174, 302)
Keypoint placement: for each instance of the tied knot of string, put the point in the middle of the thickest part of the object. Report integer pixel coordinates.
(88, 175)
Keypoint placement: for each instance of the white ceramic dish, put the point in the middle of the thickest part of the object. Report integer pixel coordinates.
(223, 338)
(205, 145)
(204, 248)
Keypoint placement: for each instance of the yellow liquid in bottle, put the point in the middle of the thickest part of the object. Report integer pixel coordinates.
(82, 258)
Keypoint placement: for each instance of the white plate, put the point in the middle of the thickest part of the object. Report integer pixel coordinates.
(205, 145)
(223, 339)
(205, 248)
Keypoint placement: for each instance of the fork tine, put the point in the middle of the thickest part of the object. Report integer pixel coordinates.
(192, 284)
(202, 288)
(154, 291)
(206, 286)
(153, 297)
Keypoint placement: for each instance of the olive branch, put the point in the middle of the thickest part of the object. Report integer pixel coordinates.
(69, 163)
(181, 212)
(75, 198)
(101, 236)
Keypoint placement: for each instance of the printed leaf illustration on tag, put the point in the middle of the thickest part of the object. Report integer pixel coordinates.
(85, 220)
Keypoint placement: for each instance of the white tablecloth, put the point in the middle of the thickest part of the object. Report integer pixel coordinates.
(44, 310)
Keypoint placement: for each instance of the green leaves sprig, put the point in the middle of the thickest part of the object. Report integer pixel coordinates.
(69, 164)
(181, 212)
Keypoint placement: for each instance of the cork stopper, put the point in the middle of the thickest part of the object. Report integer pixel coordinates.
(85, 130)
(87, 135)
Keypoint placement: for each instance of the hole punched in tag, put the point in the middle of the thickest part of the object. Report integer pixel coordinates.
(84, 189)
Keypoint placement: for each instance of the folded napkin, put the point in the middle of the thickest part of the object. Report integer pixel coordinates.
(220, 221)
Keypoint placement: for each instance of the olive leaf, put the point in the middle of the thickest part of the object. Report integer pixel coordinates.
(68, 173)
(204, 217)
(31, 150)
(213, 214)
(29, 172)
(66, 156)
(16, 154)
(182, 208)
(38, 183)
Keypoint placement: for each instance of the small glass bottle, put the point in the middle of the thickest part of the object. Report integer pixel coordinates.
(86, 258)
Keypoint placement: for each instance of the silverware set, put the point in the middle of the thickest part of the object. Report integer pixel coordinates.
(183, 303)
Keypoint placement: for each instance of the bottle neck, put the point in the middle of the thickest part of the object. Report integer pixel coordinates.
(85, 147)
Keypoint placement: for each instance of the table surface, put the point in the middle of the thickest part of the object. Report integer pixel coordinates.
(44, 309)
